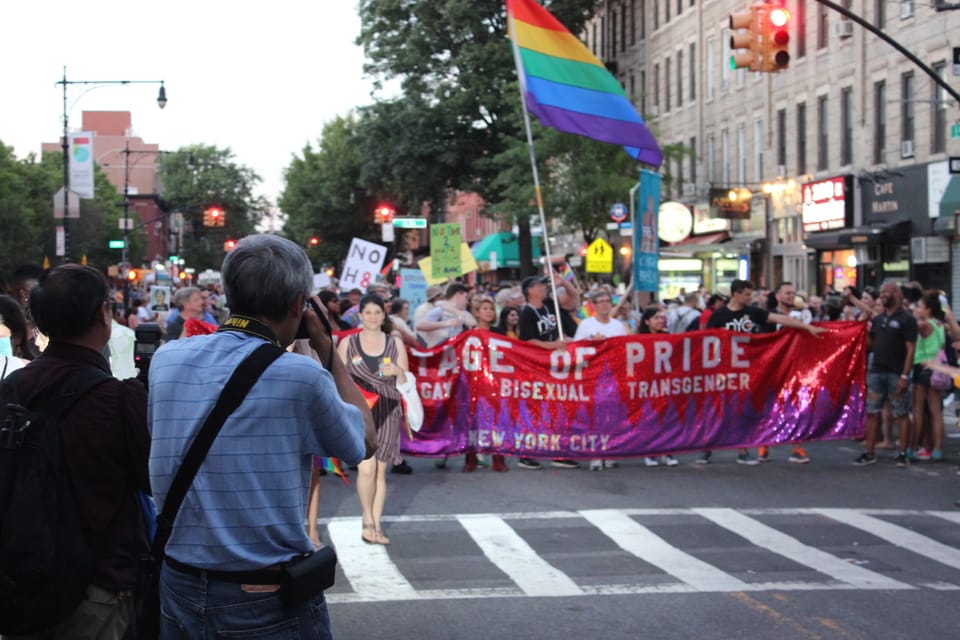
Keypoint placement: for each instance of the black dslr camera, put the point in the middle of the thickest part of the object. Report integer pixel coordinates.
(149, 337)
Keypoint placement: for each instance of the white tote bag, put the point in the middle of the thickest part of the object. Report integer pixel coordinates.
(412, 406)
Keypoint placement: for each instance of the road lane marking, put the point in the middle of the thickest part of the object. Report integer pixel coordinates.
(640, 541)
(504, 547)
(789, 547)
(368, 568)
(897, 535)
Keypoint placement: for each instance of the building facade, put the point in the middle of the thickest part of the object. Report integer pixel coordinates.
(850, 113)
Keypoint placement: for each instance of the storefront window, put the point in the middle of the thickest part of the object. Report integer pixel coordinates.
(677, 274)
(838, 269)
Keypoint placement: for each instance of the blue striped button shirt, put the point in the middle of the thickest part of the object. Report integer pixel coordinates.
(247, 506)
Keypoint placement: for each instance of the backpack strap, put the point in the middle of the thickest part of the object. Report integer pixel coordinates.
(236, 389)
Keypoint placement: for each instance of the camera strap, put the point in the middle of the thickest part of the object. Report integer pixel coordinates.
(250, 326)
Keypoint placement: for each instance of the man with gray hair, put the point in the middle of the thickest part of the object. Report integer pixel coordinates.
(188, 303)
(243, 516)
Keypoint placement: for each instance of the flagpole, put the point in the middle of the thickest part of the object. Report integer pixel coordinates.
(536, 174)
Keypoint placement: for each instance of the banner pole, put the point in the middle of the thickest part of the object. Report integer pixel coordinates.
(536, 174)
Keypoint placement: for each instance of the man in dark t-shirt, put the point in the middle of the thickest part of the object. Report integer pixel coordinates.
(893, 340)
(740, 316)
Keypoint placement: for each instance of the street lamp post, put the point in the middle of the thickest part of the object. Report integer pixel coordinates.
(161, 102)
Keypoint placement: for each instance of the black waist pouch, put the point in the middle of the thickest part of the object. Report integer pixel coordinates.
(307, 576)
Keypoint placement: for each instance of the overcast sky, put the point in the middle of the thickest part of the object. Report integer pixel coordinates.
(259, 78)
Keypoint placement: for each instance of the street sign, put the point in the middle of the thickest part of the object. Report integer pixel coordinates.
(618, 212)
(955, 131)
(599, 257)
(125, 223)
(115, 244)
(956, 61)
(410, 223)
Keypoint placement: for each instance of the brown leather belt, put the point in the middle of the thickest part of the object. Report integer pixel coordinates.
(269, 575)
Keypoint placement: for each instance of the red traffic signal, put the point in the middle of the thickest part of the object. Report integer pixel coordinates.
(213, 216)
(229, 245)
(383, 214)
(314, 241)
(776, 37)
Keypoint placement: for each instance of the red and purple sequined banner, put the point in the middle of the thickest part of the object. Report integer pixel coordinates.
(641, 394)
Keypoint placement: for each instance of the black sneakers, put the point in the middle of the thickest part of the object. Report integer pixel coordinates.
(864, 459)
(403, 468)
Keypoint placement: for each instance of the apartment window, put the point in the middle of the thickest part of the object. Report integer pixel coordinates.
(680, 78)
(711, 159)
(846, 126)
(801, 26)
(781, 138)
(823, 148)
(680, 162)
(907, 107)
(724, 67)
(593, 38)
(633, 22)
(633, 88)
(741, 154)
(693, 71)
(666, 84)
(693, 161)
(643, 19)
(725, 156)
(801, 138)
(938, 119)
(679, 7)
(906, 9)
(880, 121)
(666, 11)
(711, 63)
(822, 25)
(880, 11)
(656, 14)
(623, 28)
(643, 93)
(613, 34)
(758, 150)
(656, 90)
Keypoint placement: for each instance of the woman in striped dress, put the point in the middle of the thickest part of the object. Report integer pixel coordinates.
(377, 361)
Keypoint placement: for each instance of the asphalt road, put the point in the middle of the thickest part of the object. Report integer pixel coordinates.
(779, 550)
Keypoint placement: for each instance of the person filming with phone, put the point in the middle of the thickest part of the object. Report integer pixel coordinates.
(238, 537)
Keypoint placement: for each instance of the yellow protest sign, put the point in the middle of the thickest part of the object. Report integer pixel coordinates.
(467, 264)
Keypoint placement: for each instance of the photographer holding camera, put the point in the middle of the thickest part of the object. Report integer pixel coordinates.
(233, 543)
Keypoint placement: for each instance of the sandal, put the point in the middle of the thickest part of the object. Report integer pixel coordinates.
(382, 537)
(369, 527)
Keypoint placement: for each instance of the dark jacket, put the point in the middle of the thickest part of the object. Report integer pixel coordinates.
(106, 448)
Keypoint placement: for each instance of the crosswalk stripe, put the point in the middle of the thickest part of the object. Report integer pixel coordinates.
(789, 547)
(640, 541)
(897, 535)
(511, 554)
(952, 516)
(372, 575)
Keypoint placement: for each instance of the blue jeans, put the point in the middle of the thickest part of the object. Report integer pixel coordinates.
(195, 608)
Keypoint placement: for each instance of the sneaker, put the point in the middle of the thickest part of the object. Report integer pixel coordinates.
(528, 463)
(441, 463)
(610, 464)
(799, 456)
(922, 454)
(704, 458)
(402, 469)
(936, 455)
(747, 459)
(763, 454)
(650, 462)
(864, 459)
(482, 461)
(596, 465)
(901, 460)
(564, 464)
(669, 461)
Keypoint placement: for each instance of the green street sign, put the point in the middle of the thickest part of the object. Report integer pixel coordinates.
(115, 244)
(410, 223)
(955, 132)
(173, 259)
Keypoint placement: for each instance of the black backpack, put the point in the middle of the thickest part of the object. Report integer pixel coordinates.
(45, 562)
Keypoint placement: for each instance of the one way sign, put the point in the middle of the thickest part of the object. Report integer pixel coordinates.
(599, 257)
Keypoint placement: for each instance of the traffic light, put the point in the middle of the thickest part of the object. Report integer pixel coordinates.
(213, 216)
(229, 245)
(776, 37)
(747, 27)
(383, 214)
(314, 241)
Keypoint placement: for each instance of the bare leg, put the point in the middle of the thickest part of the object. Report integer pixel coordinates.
(886, 426)
(935, 405)
(313, 506)
(919, 407)
(366, 490)
(379, 498)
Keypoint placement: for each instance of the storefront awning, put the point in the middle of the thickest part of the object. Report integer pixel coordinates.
(870, 234)
(707, 238)
(950, 202)
(505, 246)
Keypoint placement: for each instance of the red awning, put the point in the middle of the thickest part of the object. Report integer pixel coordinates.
(709, 238)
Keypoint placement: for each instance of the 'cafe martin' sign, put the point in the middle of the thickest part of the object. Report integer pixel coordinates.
(826, 206)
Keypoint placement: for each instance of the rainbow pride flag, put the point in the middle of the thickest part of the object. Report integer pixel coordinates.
(566, 87)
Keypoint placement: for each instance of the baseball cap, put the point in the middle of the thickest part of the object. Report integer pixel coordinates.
(532, 280)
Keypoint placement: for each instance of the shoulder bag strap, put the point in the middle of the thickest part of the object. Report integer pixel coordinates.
(236, 389)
